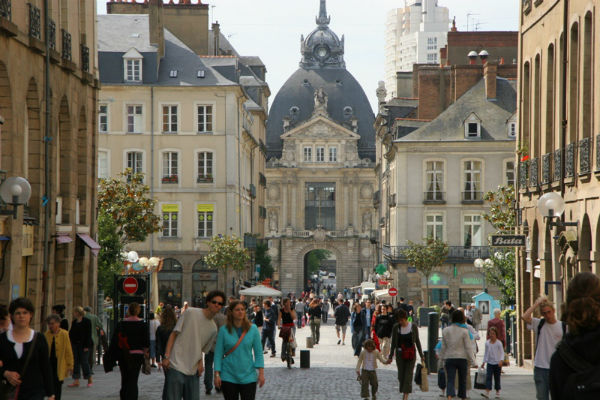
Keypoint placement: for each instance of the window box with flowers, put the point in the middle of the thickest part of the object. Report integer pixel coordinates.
(170, 179)
(205, 179)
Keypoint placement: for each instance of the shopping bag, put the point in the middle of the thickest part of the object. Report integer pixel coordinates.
(506, 361)
(479, 379)
(424, 381)
(418, 375)
(442, 378)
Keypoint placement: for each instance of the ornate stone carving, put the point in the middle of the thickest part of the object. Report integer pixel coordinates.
(273, 192)
(367, 222)
(320, 234)
(366, 192)
(273, 221)
(321, 99)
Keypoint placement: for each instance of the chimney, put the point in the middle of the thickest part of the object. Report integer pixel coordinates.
(483, 54)
(472, 57)
(216, 28)
(490, 72)
(157, 31)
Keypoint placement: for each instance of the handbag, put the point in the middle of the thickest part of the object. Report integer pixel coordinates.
(418, 375)
(424, 382)
(8, 391)
(441, 378)
(231, 350)
(479, 379)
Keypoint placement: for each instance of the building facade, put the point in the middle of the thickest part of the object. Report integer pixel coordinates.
(48, 93)
(558, 147)
(414, 34)
(194, 124)
(321, 148)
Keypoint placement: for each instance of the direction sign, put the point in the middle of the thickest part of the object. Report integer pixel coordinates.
(130, 285)
(392, 291)
(508, 240)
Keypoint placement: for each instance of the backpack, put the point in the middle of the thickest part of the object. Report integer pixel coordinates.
(584, 383)
(539, 330)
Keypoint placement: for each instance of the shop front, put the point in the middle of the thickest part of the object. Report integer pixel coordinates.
(170, 282)
(203, 281)
(471, 284)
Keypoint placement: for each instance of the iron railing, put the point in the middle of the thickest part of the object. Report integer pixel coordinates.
(434, 197)
(557, 176)
(34, 22)
(523, 172)
(585, 164)
(472, 196)
(534, 172)
(66, 45)
(85, 58)
(52, 35)
(5, 9)
(546, 168)
(570, 161)
(455, 253)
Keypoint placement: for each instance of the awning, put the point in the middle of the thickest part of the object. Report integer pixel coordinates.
(89, 242)
(62, 239)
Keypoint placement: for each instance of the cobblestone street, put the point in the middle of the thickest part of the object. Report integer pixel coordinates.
(331, 376)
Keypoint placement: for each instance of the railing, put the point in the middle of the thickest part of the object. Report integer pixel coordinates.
(557, 176)
(570, 161)
(455, 253)
(598, 153)
(204, 179)
(585, 165)
(66, 45)
(170, 179)
(5, 9)
(434, 197)
(34, 21)
(52, 35)
(85, 58)
(534, 173)
(546, 168)
(472, 196)
(302, 234)
(337, 234)
(523, 172)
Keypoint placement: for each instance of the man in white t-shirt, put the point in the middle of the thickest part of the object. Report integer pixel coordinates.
(193, 335)
(548, 332)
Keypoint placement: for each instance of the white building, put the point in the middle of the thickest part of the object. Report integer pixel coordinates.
(413, 34)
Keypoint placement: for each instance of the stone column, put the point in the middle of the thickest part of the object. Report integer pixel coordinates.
(294, 210)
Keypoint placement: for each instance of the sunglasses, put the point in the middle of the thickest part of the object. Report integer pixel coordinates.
(217, 302)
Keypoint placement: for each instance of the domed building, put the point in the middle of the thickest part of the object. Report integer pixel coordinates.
(320, 171)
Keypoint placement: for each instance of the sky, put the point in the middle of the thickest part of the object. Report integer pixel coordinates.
(271, 29)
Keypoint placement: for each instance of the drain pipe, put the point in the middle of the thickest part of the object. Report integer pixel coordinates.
(47, 208)
(152, 160)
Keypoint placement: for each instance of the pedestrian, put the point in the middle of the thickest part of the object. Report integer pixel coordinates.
(257, 317)
(457, 354)
(548, 333)
(373, 322)
(81, 341)
(167, 323)
(582, 342)
(268, 331)
(285, 322)
(59, 310)
(366, 369)
(325, 310)
(209, 358)
(315, 312)
(154, 324)
(24, 354)
(192, 336)
(494, 355)
(369, 310)
(405, 344)
(476, 316)
(383, 329)
(97, 331)
(4, 319)
(445, 313)
(497, 323)
(299, 307)
(341, 315)
(238, 354)
(358, 325)
(61, 353)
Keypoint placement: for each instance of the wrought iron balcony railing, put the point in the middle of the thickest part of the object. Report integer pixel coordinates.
(472, 196)
(5, 9)
(570, 161)
(456, 254)
(52, 35)
(523, 173)
(534, 173)
(434, 197)
(557, 175)
(546, 168)
(585, 164)
(85, 58)
(34, 22)
(66, 46)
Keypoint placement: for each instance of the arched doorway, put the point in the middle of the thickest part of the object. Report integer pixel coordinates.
(169, 282)
(203, 281)
(320, 271)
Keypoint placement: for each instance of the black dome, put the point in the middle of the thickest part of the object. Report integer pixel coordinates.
(343, 91)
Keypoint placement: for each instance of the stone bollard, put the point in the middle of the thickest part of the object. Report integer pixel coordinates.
(432, 339)
(304, 358)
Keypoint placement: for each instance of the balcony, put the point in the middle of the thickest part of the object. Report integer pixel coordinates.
(434, 197)
(557, 175)
(570, 161)
(472, 197)
(585, 150)
(456, 254)
(205, 179)
(534, 173)
(66, 46)
(523, 172)
(34, 22)
(85, 58)
(5, 9)
(546, 169)
(6, 26)
(52, 35)
(598, 153)
(170, 179)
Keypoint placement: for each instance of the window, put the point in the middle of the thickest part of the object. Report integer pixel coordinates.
(205, 166)
(320, 154)
(205, 220)
(512, 129)
(134, 161)
(103, 118)
(431, 58)
(472, 127)
(170, 216)
(472, 228)
(103, 171)
(432, 43)
(133, 70)
(170, 162)
(319, 207)
(308, 154)
(472, 181)
(509, 173)
(169, 124)
(434, 225)
(205, 119)
(333, 154)
(134, 118)
(435, 180)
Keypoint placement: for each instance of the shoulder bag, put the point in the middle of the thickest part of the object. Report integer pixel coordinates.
(231, 350)
(8, 391)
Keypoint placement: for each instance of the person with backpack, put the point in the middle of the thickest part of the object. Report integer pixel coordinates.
(574, 372)
(548, 332)
(445, 313)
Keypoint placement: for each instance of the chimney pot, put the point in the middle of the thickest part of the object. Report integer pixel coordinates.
(483, 54)
(472, 57)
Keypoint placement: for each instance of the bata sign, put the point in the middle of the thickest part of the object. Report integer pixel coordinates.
(508, 240)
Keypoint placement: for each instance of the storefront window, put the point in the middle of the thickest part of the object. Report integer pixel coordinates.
(203, 281)
(169, 282)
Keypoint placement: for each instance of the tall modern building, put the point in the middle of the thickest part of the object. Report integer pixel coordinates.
(413, 35)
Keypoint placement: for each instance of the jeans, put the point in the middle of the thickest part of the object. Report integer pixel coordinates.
(236, 391)
(270, 336)
(357, 340)
(208, 370)
(452, 366)
(80, 359)
(492, 370)
(180, 386)
(325, 316)
(153, 349)
(315, 328)
(541, 376)
(130, 372)
(299, 320)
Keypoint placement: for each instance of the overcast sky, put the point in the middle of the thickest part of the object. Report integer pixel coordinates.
(271, 29)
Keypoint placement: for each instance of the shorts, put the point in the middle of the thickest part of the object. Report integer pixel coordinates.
(341, 327)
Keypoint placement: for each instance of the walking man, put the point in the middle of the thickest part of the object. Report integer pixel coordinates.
(325, 310)
(299, 307)
(268, 331)
(341, 315)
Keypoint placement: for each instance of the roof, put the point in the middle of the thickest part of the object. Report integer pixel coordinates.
(121, 32)
(449, 125)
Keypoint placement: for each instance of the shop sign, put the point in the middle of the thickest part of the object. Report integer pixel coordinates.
(508, 241)
(412, 270)
(472, 281)
(205, 276)
(27, 248)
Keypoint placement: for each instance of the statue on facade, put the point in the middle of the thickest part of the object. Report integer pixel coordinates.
(366, 222)
(273, 221)
(320, 102)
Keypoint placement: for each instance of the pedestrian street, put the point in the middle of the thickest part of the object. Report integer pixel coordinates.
(331, 376)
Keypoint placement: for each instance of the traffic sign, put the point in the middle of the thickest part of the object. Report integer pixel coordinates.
(392, 291)
(130, 285)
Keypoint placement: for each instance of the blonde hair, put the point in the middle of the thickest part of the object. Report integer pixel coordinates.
(544, 302)
(79, 310)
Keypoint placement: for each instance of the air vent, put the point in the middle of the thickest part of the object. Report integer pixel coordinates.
(173, 73)
(348, 112)
(306, 83)
(294, 110)
(200, 73)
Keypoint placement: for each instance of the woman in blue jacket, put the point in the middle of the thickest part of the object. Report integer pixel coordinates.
(238, 354)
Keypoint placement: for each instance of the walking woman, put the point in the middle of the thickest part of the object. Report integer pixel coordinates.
(383, 330)
(129, 345)
(238, 354)
(457, 353)
(24, 354)
(285, 322)
(81, 341)
(315, 311)
(61, 353)
(405, 344)
(167, 323)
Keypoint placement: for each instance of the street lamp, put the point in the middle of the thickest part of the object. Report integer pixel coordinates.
(479, 264)
(551, 205)
(14, 191)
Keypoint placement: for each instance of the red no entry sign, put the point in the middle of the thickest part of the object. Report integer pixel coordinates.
(130, 285)
(393, 291)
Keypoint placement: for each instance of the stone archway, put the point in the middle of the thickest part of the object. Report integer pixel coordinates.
(584, 245)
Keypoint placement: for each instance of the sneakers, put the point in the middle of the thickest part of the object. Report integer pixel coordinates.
(273, 355)
(265, 352)
(208, 392)
(339, 341)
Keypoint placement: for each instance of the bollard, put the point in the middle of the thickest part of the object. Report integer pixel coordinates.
(509, 332)
(309, 342)
(304, 358)
(432, 339)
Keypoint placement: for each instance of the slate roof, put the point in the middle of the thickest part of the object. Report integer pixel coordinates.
(120, 32)
(449, 125)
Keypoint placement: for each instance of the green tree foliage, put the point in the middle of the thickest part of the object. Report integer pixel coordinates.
(425, 257)
(126, 200)
(226, 253)
(501, 269)
(109, 257)
(314, 259)
(264, 260)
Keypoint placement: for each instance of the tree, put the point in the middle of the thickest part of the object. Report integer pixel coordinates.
(314, 259)
(425, 257)
(126, 200)
(225, 253)
(109, 256)
(501, 268)
(264, 260)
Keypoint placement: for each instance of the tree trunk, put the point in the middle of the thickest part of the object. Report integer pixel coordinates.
(427, 291)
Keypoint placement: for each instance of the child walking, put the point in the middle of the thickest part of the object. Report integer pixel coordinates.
(368, 360)
(494, 354)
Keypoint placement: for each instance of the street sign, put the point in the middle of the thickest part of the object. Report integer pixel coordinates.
(392, 291)
(130, 285)
(508, 240)
(382, 282)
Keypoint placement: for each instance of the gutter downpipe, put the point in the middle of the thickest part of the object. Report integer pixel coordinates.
(48, 207)
(152, 160)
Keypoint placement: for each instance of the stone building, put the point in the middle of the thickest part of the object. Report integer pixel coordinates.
(48, 93)
(185, 109)
(321, 148)
(559, 150)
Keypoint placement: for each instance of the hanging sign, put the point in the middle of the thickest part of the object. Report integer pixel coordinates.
(508, 240)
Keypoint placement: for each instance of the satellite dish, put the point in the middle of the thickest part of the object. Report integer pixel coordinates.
(15, 190)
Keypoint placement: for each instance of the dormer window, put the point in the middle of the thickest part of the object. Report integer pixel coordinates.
(132, 61)
(472, 127)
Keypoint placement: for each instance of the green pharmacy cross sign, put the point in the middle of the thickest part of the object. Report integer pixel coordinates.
(435, 279)
(380, 269)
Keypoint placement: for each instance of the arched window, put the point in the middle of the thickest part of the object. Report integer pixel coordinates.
(203, 281)
(169, 282)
